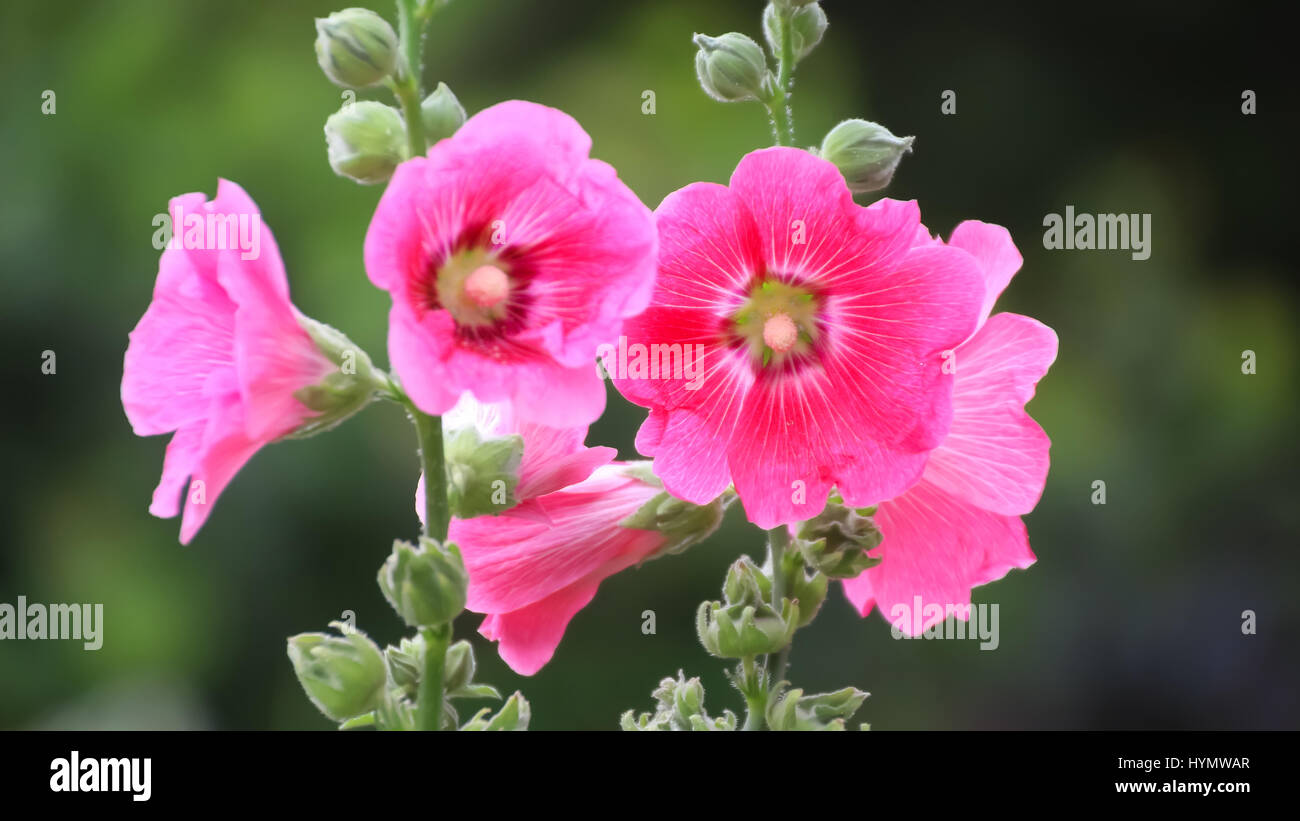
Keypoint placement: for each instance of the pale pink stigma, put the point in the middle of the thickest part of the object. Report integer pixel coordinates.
(780, 333)
(487, 286)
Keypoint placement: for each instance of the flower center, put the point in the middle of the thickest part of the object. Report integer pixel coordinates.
(780, 332)
(487, 286)
(475, 288)
(778, 323)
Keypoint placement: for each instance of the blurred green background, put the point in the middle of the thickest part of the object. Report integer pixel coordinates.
(1130, 618)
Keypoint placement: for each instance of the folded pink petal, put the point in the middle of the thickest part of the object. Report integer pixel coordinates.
(997, 255)
(996, 456)
(526, 638)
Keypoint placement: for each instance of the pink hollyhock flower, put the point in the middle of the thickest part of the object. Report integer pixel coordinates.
(219, 355)
(959, 526)
(510, 255)
(820, 327)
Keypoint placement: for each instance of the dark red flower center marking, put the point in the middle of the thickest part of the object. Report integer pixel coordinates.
(485, 287)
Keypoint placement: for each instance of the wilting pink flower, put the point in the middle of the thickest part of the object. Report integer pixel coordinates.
(959, 526)
(510, 255)
(219, 354)
(532, 568)
(822, 330)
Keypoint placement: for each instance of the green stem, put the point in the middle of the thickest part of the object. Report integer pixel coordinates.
(407, 86)
(778, 539)
(779, 106)
(428, 705)
(437, 512)
(755, 696)
(437, 519)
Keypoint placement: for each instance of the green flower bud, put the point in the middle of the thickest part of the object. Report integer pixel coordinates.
(688, 698)
(746, 583)
(458, 674)
(836, 541)
(344, 676)
(341, 393)
(731, 68)
(867, 154)
(405, 662)
(356, 48)
(395, 713)
(745, 630)
(482, 474)
(441, 113)
(426, 585)
(365, 141)
(807, 25)
(810, 592)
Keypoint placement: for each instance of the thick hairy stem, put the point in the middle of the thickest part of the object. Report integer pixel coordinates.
(437, 511)
(428, 705)
(407, 86)
(779, 106)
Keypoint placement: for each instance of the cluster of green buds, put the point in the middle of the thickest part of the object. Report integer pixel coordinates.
(351, 681)
(366, 140)
(682, 523)
(679, 706)
(732, 67)
(838, 541)
(406, 663)
(746, 623)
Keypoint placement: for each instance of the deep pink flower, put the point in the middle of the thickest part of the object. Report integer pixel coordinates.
(510, 255)
(219, 354)
(959, 526)
(821, 329)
